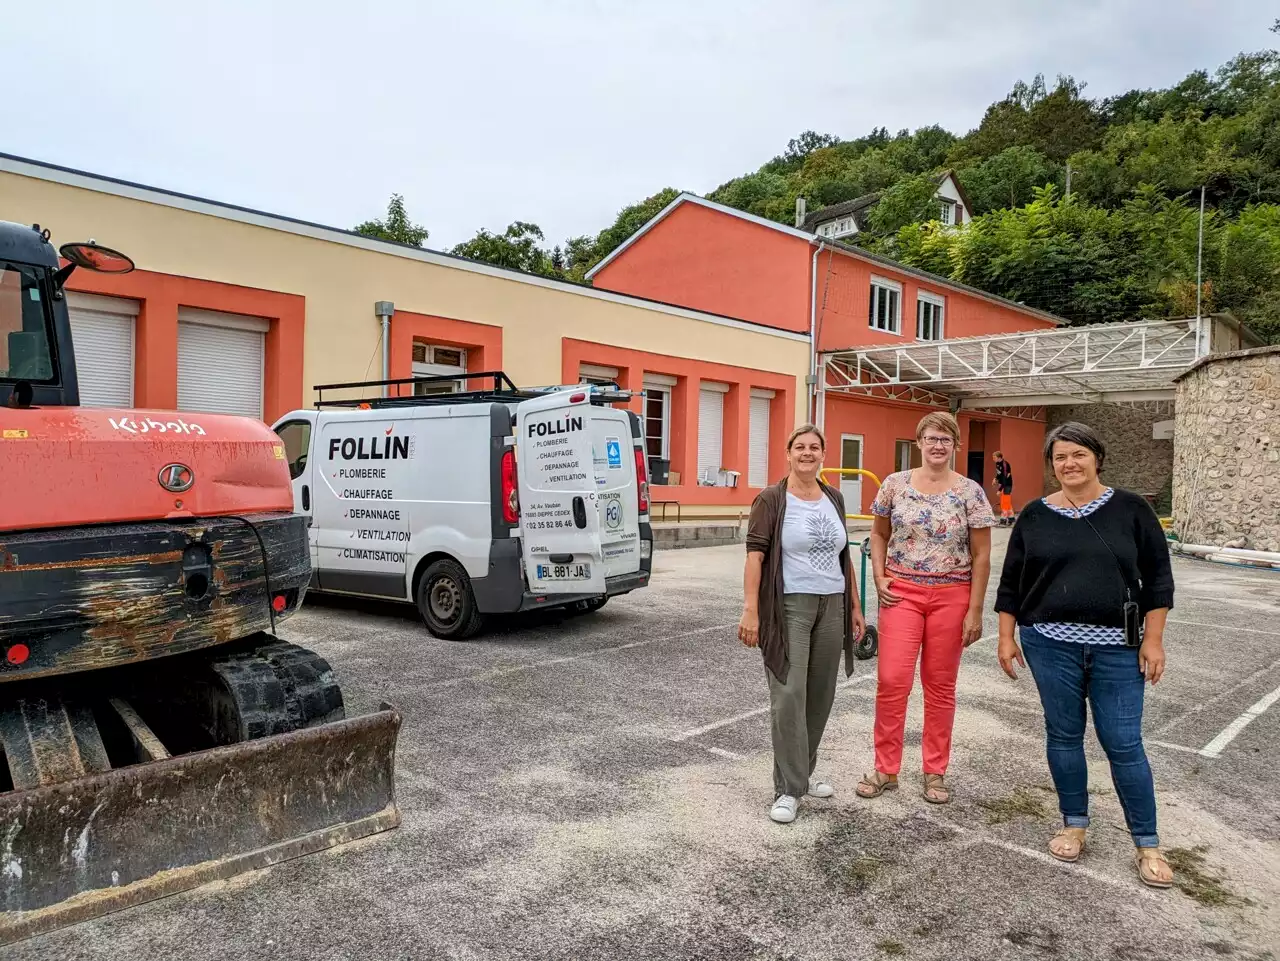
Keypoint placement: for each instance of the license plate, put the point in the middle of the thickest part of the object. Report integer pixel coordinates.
(564, 572)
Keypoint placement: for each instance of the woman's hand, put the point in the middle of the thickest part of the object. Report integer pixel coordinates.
(1151, 657)
(1009, 652)
(972, 628)
(859, 624)
(887, 597)
(749, 627)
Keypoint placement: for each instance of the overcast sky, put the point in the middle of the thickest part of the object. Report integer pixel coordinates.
(558, 112)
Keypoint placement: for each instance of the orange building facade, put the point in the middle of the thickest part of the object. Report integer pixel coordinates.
(700, 254)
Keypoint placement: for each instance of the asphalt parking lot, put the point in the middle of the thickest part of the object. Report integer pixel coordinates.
(598, 787)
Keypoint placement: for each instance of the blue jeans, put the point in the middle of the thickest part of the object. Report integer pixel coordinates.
(1107, 675)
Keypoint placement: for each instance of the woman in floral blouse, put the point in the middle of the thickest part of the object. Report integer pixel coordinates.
(931, 554)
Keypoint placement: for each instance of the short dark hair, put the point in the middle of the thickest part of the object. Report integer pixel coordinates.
(1074, 432)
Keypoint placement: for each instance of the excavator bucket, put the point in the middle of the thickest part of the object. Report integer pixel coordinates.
(122, 836)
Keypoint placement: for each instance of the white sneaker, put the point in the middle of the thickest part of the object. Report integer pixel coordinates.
(820, 789)
(784, 809)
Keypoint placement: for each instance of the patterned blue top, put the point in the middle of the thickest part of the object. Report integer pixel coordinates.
(1083, 633)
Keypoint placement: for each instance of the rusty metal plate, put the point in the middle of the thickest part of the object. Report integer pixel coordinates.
(83, 848)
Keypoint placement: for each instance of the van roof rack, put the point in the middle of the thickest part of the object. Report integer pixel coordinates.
(503, 390)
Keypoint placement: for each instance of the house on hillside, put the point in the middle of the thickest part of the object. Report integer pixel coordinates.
(850, 216)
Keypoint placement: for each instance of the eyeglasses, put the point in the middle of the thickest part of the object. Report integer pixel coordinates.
(937, 441)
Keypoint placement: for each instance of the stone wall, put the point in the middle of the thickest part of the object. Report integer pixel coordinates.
(1135, 460)
(1226, 476)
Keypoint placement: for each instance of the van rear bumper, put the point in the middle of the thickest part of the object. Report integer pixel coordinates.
(613, 586)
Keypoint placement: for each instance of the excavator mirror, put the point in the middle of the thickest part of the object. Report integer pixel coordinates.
(93, 257)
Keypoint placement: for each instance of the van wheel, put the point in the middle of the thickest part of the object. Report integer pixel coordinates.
(447, 603)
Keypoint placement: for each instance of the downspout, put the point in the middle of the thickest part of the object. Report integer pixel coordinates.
(813, 335)
(384, 309)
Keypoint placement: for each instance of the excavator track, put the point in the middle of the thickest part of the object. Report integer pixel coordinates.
(161, 777)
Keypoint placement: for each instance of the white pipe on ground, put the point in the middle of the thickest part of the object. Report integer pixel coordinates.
(1244, 561)
(1266, 557)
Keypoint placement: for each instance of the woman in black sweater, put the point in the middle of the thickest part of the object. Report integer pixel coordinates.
(1081, 562)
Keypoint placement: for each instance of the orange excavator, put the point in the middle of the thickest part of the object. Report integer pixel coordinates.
(155, 733)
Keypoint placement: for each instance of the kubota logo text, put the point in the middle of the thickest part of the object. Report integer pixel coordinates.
(150, 426)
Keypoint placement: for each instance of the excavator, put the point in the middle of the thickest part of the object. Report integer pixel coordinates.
(155, 731)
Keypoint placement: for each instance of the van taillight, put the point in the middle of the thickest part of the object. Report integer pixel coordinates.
(510, 490)
(642, 481)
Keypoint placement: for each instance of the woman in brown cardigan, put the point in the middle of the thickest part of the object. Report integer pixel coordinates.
(801, 609)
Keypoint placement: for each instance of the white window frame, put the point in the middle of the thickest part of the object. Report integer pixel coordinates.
(881, 286)
(659, 384)
(433, 369)
(947, 211)
(933, 300)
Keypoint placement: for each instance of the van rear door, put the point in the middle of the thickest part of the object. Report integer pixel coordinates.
(614, 459)
(559, 510)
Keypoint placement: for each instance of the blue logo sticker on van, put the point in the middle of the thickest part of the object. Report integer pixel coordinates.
(613, 451)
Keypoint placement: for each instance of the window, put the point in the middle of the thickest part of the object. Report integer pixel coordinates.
(886, 306)
(929, 310)
(600, 376)
(758, 438)
(947, 213)
(24, 324)
(710, 433)
(657, 422)
(906, 455)
(430, 360)
(297, 441)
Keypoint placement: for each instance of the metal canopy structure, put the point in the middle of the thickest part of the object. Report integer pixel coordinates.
(1099, 363)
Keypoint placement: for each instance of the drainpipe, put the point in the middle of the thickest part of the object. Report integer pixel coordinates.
(384, 309)
(813, 336)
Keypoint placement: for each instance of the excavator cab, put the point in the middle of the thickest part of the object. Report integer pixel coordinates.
(155, 731)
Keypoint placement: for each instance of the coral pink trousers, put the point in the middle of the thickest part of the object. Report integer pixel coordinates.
(926, 625)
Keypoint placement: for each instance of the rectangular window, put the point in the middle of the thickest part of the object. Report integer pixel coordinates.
(758, 439)
(710, 433)
(432, 361)
(906, 455)
(657, 422)
(947, 211)
(929, 311)
(885, 311)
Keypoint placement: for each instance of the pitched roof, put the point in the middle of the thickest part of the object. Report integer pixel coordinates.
(809, 238)
(834, 211)
(860, 204)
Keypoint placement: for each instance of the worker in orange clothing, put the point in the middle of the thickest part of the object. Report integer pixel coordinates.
(1004, 485)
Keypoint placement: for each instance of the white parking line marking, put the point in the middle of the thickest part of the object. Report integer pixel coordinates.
(1226, 630)
(1244, 682)
(1171, 746)
(551, 662)
(716, 725)
(730, 755)
(1219, 743)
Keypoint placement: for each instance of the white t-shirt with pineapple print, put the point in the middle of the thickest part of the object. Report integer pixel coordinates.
(813, 535)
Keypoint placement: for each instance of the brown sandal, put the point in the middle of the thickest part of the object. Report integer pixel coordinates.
(1147, 871)
(936, 782)
(1072, 845)
(874, 784)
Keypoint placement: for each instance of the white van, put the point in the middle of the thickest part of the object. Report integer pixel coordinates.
(474, 503)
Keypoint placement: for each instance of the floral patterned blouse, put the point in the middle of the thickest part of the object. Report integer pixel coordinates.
(929, 543)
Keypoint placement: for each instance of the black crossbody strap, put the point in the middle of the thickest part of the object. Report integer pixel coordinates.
(1128, 596)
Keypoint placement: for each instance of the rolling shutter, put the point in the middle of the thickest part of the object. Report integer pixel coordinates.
(220, 362)
(710, 433)
(758, 447)
(102, 330)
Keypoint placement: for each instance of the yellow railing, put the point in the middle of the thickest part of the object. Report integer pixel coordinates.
(851, 472)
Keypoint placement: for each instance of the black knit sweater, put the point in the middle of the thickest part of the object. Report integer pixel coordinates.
(1056, 570)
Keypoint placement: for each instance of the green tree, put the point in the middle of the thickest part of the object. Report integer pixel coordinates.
(1008, 179)
(516, 248)
(395, 227)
